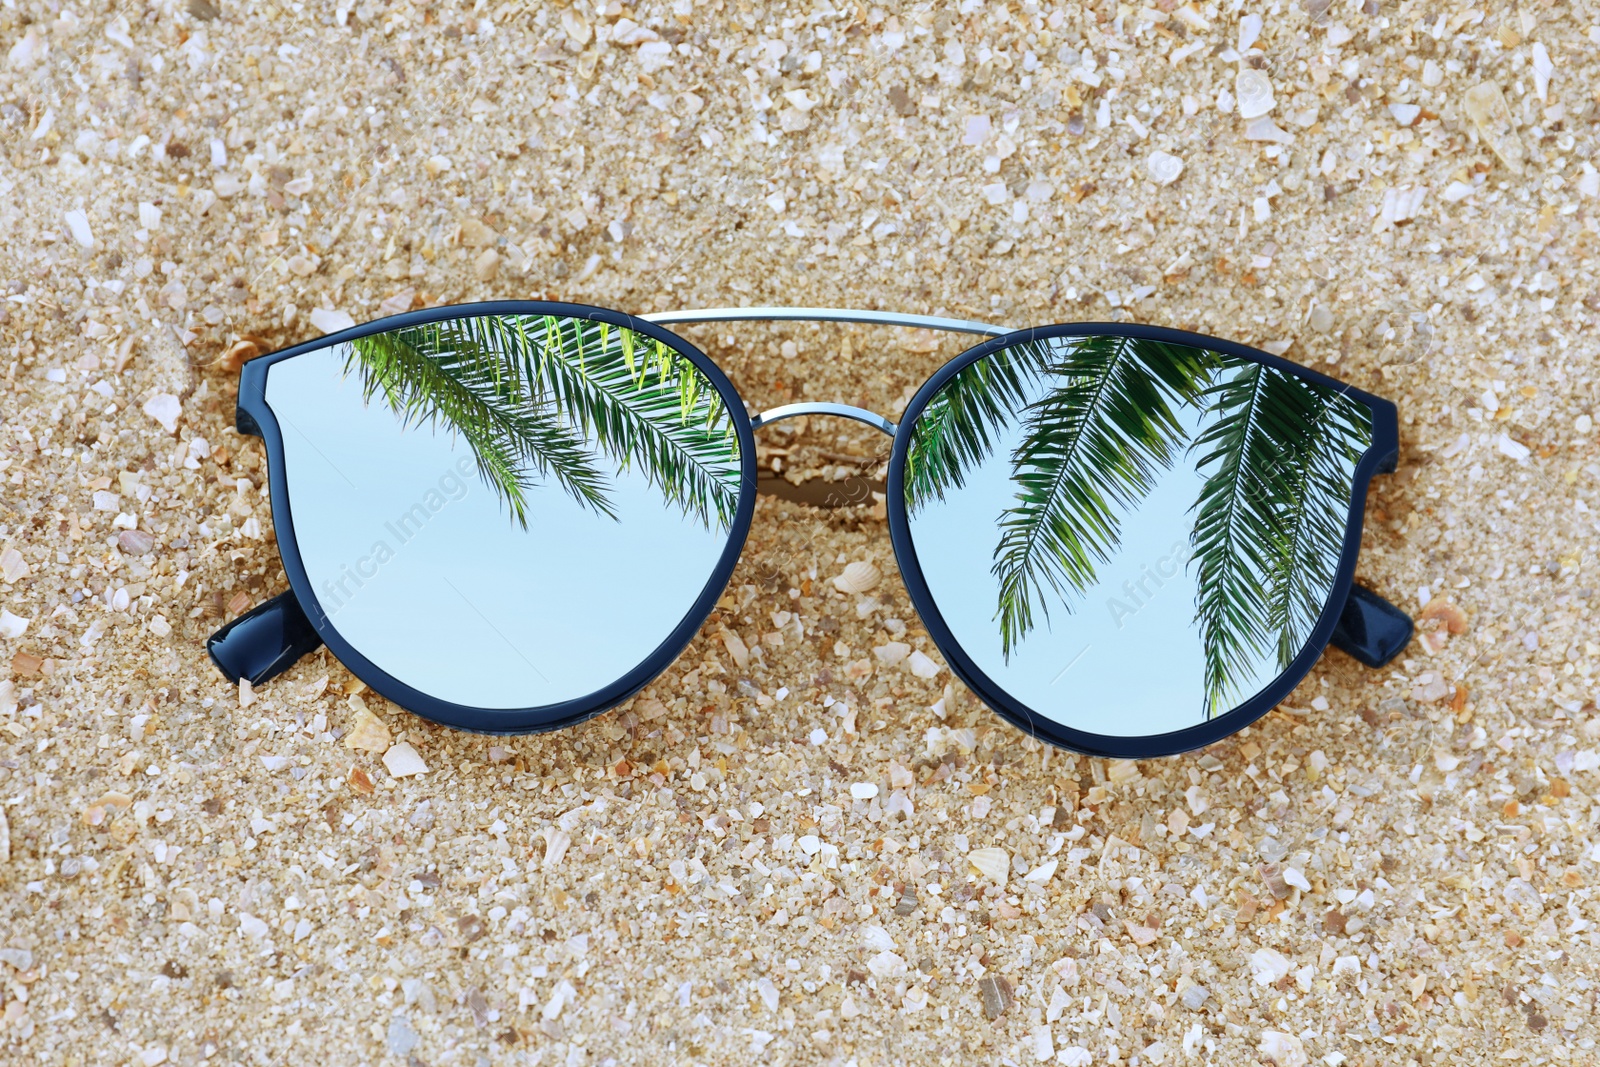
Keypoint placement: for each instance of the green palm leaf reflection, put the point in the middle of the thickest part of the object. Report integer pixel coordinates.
(1092, 449)
(547, 396)
(1269, 523)
(960, 424)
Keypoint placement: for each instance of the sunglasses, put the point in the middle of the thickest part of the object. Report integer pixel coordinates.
(509, 517)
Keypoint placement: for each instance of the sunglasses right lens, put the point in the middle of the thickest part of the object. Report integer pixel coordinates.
(1130, 537)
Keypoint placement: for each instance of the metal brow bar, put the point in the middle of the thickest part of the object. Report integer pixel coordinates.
(871, 318)
(843, 411)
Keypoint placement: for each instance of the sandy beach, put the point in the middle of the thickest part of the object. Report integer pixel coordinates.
(793, 847)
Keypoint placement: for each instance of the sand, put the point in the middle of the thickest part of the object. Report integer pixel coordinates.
(780, 851)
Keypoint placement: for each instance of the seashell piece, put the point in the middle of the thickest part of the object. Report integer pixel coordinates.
(1268, 966)
(888, 965)
(1282, 1050)
(556, 843)
(28, 51)
(1264, 129)
(1542, 70)
(1454, 619)
(891, 653)
(922, 665)
(402, 761)
(877, 938)
(360, 780)
(1253, 90)
(1163, 167)
(1121, 771)
(1405, 114)
(12, 565)
(135, 542)
(1249, 32)
(1486, 107)
(858, 577)
(165, 409)
(1521, 893)
(1273, 878)
(1401, 205)
(1042, 873)
(1141, 934)
(368, 732)
(78, 223)
(330, 320)
(737, 649)
(993, 863)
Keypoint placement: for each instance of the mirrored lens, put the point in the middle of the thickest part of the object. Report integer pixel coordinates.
(505, 511)
(1131, 537)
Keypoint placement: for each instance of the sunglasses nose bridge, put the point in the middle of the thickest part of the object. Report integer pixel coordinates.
(843, 411)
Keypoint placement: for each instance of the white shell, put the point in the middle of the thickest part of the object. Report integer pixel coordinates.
(403, 761)
(922, 665)
(736, 648)
(12, 565)
(1264, 129)
(165, 409)
(877, 939)
(1542, 70)
(1122, 770)
(1042, 873)
(1249, 32)
(891, 653)
(1163, 167)
(858, 577)
(888, 965)
(556, 843)
(993, 863)
(1253, 89)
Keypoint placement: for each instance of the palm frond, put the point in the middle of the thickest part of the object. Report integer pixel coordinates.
(1235, 537)
(1092, 449)
(509, 437)
(628, 395)
(956, 430)
(1319, 461)
(639, 401)
(1269, 524)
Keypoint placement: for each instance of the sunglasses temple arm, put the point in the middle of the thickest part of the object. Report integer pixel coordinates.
(1370, 629)
(264, 642)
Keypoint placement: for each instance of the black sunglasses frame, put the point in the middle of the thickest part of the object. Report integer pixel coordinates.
(278, 632)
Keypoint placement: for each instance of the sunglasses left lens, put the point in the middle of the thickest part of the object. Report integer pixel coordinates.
(505, 513)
